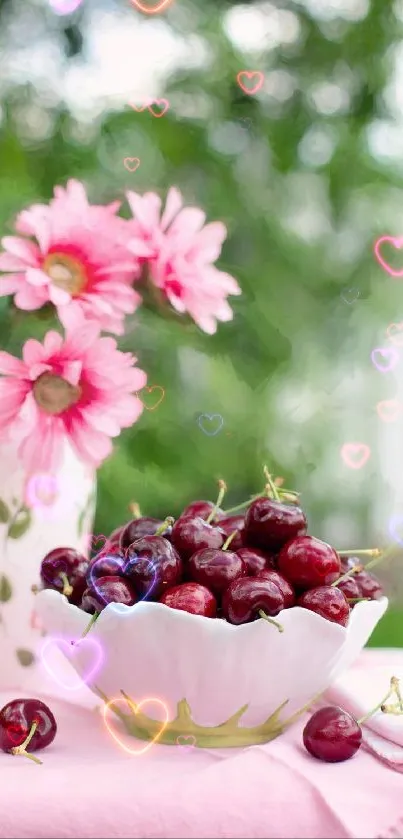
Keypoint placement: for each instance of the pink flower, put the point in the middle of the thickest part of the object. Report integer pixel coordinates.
(180, 253)
(79, 389)
(79, 261)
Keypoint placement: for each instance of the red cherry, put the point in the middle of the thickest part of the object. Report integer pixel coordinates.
(191, 597)
(17, 721)
(327, 601)
(64, 569)
(107, 590)
(270, 524)
(368, 584)
(231, 523)
(255, 560)
(152, 565)
(246, 596)
(137, 528)
(350, 588)
(105, 564)
(201, 509)
(114, 538)
(283, 584)
(332, 735)
(215, 569)
(191, 535)
(307, 562)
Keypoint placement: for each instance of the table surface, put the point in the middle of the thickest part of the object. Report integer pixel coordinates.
(88, 786)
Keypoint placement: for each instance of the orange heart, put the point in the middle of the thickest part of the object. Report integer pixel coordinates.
(249, 76)
(149, 390)
(154, 11)
(136, 709)
(397, 340)
(389, 409)
(131, 163)
(158, 103)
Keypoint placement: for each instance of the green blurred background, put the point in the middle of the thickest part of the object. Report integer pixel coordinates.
(306, 174)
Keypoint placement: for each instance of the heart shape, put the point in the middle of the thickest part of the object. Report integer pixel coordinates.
(16, 732)
(355, 455)
(41, 490)
(57, 567)
(389, 409)
(397, 243)
(350, 295)
(94, 540)
(131, 163)
(183, 741)
(255, 74)
(393, 331)
(140, 109)
(389, 357)
(210, 417)
(122, 566)
(150, 390)
(157, 102)
(395, 524)
(135, 708)
(155, 10)
(71, 649)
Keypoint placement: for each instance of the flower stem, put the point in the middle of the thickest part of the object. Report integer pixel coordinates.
(20, 750)
(222, 488)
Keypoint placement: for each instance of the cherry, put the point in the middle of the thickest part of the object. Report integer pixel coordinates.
(285, 587)
(269, 523)
(245, 597)
(231, 523)
(114, 538)
(192, 534)
(152, 565)
(191, 597)
(106, 564)
(307, 562)
(327, 601)
(254, 559)
(23, 722)
(137, 528)
(64, 570)
(107, 590)
(368, 584)
(215, 569)
(202, 509)
(350, 588)
(332, 735)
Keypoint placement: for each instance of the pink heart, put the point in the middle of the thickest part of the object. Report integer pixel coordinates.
(131, 163)
(388, 356)
(355, 455)
(397, 243)
(249, 75)
(72, 649)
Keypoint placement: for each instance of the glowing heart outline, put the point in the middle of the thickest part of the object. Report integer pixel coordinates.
(163, 4)
(382, 409)
(385, 351)
(348, 450)
(122, 564)
(186, 747)
(127, 160)
(33, 485)
(149, 389)
(73, 646)
(344, 297)
(136, 709)
(397, 242)
(157, 102)
(210, 417)
(398, 343)
(249, 74)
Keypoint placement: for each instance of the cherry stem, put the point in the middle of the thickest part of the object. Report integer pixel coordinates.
(164, 526)
(134, 509)
(271, 620)
(222, 488)
(94, 618)
(67, 588)
(243, 505)
(271, 484)
(229, 540)
(20, 750)
(371, 552)
(380, 706)
(354, 570)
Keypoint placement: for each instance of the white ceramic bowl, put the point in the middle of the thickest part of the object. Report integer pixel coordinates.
(149, 650)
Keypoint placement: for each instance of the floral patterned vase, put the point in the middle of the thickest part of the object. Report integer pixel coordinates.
(37, 514)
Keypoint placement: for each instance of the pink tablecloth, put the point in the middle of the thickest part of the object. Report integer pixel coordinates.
(89, 787)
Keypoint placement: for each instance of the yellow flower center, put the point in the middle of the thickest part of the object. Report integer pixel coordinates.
(53, 394)
(65, 272)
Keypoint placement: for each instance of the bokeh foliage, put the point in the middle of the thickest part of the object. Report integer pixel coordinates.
(293, 173)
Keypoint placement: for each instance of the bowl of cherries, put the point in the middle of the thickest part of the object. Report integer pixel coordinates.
(234, 621)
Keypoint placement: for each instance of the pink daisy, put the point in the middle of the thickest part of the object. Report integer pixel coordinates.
(180, 252)
(80, 388)
(79, 261)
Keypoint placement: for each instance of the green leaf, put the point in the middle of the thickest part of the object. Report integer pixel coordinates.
(20, 524)
(4, 512)
(6, 591)
(25, 657)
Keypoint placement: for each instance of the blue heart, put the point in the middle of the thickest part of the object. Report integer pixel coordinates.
(210, 417)
(122, 564)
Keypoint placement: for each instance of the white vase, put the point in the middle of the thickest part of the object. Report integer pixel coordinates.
(37, 514)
